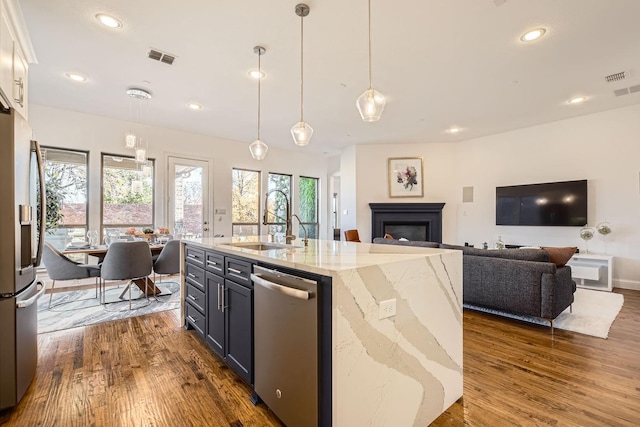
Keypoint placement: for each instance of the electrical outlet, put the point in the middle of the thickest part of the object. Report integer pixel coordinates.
(387, 308)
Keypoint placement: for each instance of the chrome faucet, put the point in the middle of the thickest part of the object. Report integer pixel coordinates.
(289, 234)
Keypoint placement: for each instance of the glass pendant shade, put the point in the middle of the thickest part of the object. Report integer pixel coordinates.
(147, 171)
(258, 149)
(370, 105)
(141, 155)
(301, 133)
(136, 186)
(130, 140)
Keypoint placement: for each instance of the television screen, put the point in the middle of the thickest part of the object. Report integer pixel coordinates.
(549, 204)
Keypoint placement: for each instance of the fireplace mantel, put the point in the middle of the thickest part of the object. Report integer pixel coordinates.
(429, 214)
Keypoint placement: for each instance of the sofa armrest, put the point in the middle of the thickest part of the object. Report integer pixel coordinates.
(557, 292)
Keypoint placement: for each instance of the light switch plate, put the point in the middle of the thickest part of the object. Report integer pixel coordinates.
(387, 309)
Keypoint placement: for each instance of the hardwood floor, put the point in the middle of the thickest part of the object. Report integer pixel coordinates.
(149, 371)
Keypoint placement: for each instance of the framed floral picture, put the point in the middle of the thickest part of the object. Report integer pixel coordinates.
(405, 176)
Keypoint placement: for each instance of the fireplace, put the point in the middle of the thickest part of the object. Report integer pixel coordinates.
(413, 221)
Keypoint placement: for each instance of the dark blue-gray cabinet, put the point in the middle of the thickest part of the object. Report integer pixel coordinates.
(222, 314)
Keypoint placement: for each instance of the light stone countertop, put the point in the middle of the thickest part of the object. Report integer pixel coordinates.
(324, 257)
(401, 370)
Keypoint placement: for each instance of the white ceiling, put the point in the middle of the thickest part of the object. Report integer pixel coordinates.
(440, 63)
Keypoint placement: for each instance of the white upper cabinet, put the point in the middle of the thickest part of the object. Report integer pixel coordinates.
(16, 52)
(6, 60)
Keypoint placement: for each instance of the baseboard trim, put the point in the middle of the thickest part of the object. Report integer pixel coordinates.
(627, 284)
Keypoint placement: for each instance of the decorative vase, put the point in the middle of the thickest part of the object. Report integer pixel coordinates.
(604, 229)
(586, 234)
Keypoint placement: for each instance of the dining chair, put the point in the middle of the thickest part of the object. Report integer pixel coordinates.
(126, 261)
(351, 236)
(59, 267)
(168, 262)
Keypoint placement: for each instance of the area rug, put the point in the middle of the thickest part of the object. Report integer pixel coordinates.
(81, 308)
(592, 314)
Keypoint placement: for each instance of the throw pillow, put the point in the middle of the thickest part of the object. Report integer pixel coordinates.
(560, 256)
(388, 236)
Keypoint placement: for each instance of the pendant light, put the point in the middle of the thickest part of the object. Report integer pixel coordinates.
(371, 103)
(131, 140)
(301, 131)
(258, 148)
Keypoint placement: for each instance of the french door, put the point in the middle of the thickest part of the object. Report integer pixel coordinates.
(188, 197)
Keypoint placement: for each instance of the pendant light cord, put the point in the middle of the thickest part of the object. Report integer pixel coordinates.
(370, 80)
(259, 78)
(301, 68)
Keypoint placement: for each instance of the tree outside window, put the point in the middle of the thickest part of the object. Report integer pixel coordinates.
(309, 206)
(277, 203)
(127, 194)
(245, 202)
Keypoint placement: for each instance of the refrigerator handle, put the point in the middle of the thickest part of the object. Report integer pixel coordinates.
(35, 146)
(30, 301)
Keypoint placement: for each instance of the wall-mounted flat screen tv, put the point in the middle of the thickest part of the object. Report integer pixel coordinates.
(548, 204)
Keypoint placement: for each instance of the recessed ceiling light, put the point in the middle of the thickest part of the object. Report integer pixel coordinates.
(194, 106)
(532, 35)
(256, 74)
(577, 100)
(76, 77)
(108, 21)
(454, 129)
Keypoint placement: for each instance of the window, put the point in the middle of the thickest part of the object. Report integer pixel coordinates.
(309, 206)
(127, 193)
(245, 202)
(277, 204)
(65, 175)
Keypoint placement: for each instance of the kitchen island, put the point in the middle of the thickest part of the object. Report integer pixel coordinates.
(402, 370)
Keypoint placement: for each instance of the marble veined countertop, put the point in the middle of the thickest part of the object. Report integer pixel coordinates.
(399, 370)
(324, 257)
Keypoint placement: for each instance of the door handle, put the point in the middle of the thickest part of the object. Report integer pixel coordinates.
(205, 229)
(30, 301)
(286, 290)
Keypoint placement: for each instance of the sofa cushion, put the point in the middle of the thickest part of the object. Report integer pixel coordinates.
(560, 256)
(518, 254)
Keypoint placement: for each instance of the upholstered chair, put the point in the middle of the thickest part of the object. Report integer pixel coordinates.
(127, 261)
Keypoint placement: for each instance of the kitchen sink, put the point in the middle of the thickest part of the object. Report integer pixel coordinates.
(257, 246)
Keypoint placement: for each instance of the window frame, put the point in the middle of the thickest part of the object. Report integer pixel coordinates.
(104, 226)
(282, 222)
(87, 154)
(316, 224)
(259, 193)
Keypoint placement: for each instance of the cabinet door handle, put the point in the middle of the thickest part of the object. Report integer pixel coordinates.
(213, 264)
(193, 276)
(20, 99)
(191, 319)
(192, 298)
(192, 256)
(224, 298)
(233, 270)
(219, 305)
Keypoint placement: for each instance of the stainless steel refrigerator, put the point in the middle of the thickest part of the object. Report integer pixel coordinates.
(20, 253)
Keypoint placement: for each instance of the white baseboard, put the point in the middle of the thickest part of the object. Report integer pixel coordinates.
(627, 284)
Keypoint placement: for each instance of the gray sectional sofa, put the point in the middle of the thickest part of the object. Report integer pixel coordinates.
(516, 281)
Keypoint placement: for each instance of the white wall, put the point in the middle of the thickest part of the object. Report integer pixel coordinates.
(68, 129)
(371, 161)
(603, 148)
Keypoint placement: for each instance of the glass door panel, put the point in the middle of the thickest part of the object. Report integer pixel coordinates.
(188, 198)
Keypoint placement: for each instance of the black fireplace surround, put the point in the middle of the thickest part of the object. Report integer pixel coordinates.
(414, 221)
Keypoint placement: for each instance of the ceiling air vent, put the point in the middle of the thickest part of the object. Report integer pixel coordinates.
(621, 92)
(158, 55)
(634, 89)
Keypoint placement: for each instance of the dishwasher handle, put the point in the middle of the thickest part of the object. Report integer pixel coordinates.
(286, 290)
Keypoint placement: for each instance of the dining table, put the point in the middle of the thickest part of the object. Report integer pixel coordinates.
(100, 251)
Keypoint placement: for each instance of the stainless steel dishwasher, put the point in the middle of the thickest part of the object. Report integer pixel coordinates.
(286, 345)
